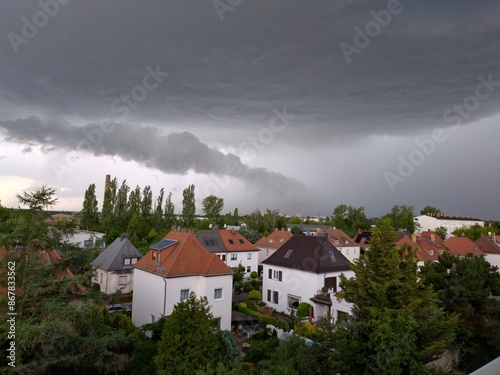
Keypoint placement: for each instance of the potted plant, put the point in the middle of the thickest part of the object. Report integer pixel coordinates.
(324, 290)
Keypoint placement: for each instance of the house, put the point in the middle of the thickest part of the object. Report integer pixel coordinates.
(426, 248)
(462, 246)
(268, 245)
(490, 246)
(231, 247)
(114, 267)
(363, 239)
(172, 269)
(299, 270)
(86, 239)
(450, 222)
(343, 243)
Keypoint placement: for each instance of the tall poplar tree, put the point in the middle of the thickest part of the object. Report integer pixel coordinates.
(169, 214)
(108, 206)
(188, 207)
(89, 217)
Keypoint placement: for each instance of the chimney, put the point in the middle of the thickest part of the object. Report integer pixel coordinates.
(107, 182)
(433, 237)
(124, 235)
(414, 237)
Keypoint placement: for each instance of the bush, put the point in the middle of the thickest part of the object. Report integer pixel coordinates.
(254, 274)
(263, 318)
(266, 310)
(252, 305)
(306, 329)
(96, 287)
(303, 310)
(255, 295)
(261, 303)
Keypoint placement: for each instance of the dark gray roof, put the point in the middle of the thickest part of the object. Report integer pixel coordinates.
(211, 240)
(111, 259)
(309, 253)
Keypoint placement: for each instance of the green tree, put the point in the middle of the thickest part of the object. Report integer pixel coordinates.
(191, 339)
(396, 325)
(465, 286)
(297, 230)
(89, 217)
(429, 210)
(212, 207)
(147, 202)
(58, 329)
(402, 217)
(169, 213)
(121, 213)
(350, 219)
(108, 206)
(134, 202)
(441, 232)
(158, 220)
(188, 207)
(473, 232)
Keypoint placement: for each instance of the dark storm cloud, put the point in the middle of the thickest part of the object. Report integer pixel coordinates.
(175, 153)
(263, 55)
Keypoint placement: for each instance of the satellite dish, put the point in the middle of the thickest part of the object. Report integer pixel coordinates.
(210, 226)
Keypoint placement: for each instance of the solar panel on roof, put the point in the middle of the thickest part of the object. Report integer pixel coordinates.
(160, 245)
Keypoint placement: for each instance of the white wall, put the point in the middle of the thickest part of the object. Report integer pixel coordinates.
(493, 259)
(148, 299)
(242, 258)
(265, 252)
(350, 252)
(151, 293)
(303, 285)
(431, 223)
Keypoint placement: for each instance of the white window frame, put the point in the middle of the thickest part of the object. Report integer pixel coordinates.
(184, 293)
(120, 280)
(218, 294)
(234, 256)
(249, 256)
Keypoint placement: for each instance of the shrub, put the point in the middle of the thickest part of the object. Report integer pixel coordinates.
(252, 305)
(303, 310)
(254, 274)
(306, 329)
(255, 295)
(261, 303)
(96, 287)
(266, 310)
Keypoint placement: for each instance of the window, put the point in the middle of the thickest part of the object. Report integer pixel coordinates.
(154, 256)
(241, 241)
(288, 253)
(223, 257)
(234, 256)
(206, 242)
(293, 301)
(281, 240)
(87, 244)
(122, 280)
(101, 277)
(275, 297)
(249, 256)
(431, 252)
(134, 260)
(249, 269)
(331, 283)
(126, 261)
(213, 242)
(184, 294)
(278, 275)
(231, 241)
(218, 293)
(268, 295)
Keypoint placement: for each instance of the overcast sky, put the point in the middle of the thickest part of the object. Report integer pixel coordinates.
(293, 105)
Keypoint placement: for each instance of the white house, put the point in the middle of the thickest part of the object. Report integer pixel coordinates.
(87, 239)
(171, 270)
(299, 270)
(268, 245)
(114, 267)
(231, 247)
(450, 222)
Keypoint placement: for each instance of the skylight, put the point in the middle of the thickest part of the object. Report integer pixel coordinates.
(288, 253)
(332, 256)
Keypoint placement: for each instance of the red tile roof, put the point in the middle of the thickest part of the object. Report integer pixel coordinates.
(429, 234)
(462, 246)
(489, 245)
(338, 238)
(183, 258)
(425, 249)
(275, 240)
(234, 241)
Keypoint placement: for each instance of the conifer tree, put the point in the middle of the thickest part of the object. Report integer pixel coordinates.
(396, 326)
